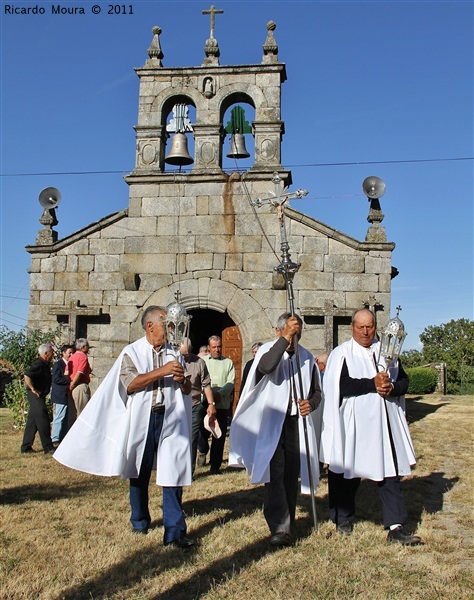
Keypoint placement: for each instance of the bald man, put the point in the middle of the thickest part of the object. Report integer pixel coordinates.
(365, 432)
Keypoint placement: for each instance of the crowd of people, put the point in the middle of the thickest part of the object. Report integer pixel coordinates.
(67, 383)
(295, 412)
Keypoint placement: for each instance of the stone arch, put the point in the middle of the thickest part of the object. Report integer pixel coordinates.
(232, 93)
(222, 296)
(163, 103)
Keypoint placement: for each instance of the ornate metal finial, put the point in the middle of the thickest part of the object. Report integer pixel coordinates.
(398, 309)
(211, 48)
(278, 200)
(176, 325)
(154, 51)
(270, 47)
(391, 340)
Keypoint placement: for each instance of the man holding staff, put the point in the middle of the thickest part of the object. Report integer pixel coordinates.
(266, 434)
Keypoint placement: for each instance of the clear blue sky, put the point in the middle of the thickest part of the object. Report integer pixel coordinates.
(385, 88)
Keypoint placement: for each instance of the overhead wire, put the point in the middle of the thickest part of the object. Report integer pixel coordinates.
(292, 166)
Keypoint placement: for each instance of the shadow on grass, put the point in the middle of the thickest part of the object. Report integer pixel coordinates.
(147, 564)
(416, 410)
(46, 492)
(420, 494)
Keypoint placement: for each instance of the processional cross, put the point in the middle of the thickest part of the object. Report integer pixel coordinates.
(288, 268)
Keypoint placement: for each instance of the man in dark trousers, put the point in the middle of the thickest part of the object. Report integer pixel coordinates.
(267, 434)
(38, 383)
(365, 432)
(60, 395)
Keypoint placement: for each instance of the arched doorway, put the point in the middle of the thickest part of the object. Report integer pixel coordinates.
(206, 322)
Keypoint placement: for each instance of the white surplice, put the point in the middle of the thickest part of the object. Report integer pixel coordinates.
(258, 420)
(355, 438)
(108, 438)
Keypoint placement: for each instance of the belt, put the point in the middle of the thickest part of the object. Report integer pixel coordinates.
(158, 409)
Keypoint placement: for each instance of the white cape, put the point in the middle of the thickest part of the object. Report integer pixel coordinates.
(355, 439)
(108, 438)
(259, 416)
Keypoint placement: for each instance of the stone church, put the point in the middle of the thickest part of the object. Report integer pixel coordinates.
(199, 232)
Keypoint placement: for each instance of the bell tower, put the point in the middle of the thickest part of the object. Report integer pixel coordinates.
(182, 112)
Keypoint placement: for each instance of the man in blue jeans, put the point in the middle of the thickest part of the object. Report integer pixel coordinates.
(139, 415)
(60, 396)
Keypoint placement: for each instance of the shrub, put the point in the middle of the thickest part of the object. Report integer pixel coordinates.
(16, 401)
(423, 380)
(20, 349)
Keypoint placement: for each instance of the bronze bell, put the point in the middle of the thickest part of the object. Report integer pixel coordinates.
(237, 147)
(179, 154)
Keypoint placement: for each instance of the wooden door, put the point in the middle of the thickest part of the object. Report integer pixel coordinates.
(232, 348)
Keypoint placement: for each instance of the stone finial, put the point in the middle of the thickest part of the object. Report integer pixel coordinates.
(270, 48)
(154, 51)
(375, 233)
(47, 235)
(211, 49)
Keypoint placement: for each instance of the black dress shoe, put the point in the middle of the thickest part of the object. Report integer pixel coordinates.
(28, 451)
(50, 451)
(183, 542)
(140, 531)
(400, 536)
(280, 539)
(345, 528)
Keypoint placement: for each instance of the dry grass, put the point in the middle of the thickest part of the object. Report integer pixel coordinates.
(65, 535)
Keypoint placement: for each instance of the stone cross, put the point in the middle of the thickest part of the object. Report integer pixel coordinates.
(331, 315)
(73, 312)
(213, 11)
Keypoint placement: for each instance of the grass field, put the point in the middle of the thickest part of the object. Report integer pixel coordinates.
(66, 535)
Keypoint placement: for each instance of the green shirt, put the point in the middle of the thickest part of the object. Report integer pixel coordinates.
(222, 374)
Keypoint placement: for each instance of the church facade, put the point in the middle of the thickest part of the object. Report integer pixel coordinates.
(200, 232)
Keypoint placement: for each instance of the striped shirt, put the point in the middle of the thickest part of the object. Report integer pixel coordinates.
(128, 372)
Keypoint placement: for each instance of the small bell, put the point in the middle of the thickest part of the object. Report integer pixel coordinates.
(237, 146)
(179, 154)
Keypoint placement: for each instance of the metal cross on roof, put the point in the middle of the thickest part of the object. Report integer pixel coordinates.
(213, 11)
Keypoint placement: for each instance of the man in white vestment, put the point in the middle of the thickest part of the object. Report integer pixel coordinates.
(365, 432)
(140, 416)
(266, 434)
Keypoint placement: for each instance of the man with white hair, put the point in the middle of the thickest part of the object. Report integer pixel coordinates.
(139, 417)
(266, 435)
(38, 382)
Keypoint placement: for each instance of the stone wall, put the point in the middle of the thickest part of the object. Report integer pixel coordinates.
(210, 246)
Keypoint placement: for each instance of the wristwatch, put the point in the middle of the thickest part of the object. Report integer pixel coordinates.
(211, 403)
